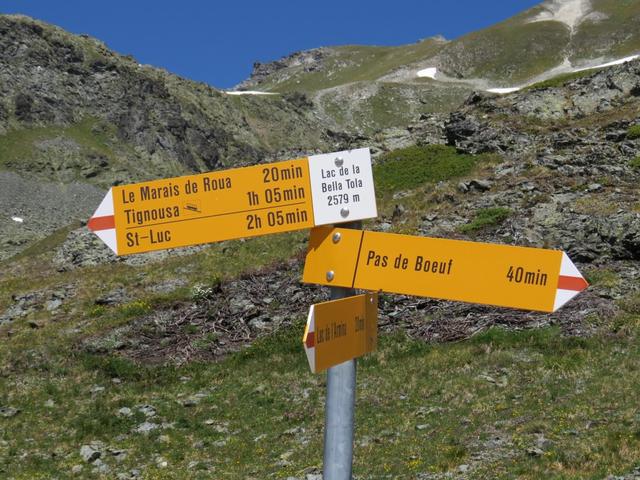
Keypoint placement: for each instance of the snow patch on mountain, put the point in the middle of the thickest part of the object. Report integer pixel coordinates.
(569, 12)
(562, 69)
(430, 72)
(609, 64)
(248, 92)
(505, 90)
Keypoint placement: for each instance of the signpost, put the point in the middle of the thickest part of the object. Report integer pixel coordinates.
(241, 202)
(341, 330)
(324, 190)
(489, 274)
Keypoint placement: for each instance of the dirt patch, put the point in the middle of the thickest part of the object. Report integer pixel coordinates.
(226, 317)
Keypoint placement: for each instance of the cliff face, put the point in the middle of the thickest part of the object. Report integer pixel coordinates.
(51, 78)
(74, 112)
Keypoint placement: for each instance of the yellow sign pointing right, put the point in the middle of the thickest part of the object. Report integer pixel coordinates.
(483, 273)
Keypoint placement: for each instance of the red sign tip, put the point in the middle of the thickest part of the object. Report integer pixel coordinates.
(311, 340)
(101, 223)
(576, 284)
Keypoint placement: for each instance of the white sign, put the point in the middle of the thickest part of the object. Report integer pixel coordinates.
(342, 187)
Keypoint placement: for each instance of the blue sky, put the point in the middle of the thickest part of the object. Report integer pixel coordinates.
(218, 42)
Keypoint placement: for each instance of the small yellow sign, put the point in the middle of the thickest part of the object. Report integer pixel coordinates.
(483, 273)
(341, 330)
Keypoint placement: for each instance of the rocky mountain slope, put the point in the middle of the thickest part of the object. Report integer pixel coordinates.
(556, 166)
(561, 164)
(75, 116)
(188, 364)
(374, 87)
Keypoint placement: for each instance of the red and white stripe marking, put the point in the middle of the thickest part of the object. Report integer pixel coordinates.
(309, 339)
(570, 283)
(103, 222)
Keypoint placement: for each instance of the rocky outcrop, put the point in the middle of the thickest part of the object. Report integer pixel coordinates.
(49, 77)
(306, 60)
(594, 93)
(74, 112)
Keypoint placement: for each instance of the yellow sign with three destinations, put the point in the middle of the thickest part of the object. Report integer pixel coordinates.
(236, 203)
(341, 330)
(474, 272)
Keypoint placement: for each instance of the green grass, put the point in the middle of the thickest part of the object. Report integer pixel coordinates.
(633, 132)
(602, 277)
(635, 163)
(19, 144)
(486, 218)
(563, 79)
(354, 63)
(411, 167)
(420, 409)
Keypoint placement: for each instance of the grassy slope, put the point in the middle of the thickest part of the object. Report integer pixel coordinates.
(354, 63)
(388, 104)
(618, 34)
(420, 408)
(93, 138)
(509, 52)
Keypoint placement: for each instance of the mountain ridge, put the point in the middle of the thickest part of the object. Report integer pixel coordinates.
(73, 111)
(552, 38)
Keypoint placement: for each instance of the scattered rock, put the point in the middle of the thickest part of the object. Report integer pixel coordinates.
(100, 468)
(92, 452)
(147, 410)
(25, 304)
(190, 402)
(535, 452)
(398, 211)
(8, 412)
(117, 296)
(97, 389)
(146, 428)
(125, 412)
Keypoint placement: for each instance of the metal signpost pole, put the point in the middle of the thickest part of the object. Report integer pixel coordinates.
(340, 407)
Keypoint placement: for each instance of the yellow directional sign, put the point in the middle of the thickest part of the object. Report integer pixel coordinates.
(341, 330)
(490, 274)
(236, 203)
